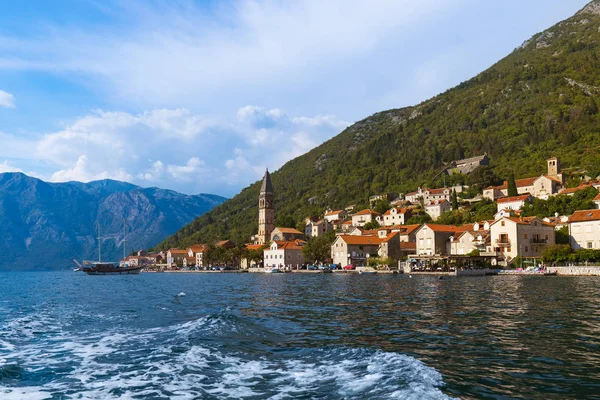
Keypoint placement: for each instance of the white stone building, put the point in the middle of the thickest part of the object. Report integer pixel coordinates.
(436, 208)
(584, 229)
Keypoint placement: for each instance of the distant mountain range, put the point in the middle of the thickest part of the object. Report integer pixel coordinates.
(43, 225)
(540, 101)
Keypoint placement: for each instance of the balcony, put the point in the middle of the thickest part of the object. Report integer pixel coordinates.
(503, 241)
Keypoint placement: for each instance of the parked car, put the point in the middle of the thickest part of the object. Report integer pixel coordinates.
(349, 267)
(312, 267)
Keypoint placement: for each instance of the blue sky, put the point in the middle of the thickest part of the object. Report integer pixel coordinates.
(201, 96)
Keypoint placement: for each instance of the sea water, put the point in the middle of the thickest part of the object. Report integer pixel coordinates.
(67, 335)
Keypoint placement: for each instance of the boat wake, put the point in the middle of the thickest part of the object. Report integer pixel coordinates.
(201, 358)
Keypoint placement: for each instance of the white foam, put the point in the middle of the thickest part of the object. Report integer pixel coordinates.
(112, 365)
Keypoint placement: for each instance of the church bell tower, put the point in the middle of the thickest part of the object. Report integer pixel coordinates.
(266, 212)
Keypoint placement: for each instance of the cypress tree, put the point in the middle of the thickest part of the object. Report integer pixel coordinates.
(512, 186)
(454, 200)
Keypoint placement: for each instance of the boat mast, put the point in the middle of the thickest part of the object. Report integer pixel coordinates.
(99, 244)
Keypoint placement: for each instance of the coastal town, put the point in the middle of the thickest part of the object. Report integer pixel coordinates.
(385, 237)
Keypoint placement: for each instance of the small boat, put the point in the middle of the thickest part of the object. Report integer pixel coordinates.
(273, 270)
(363, 272)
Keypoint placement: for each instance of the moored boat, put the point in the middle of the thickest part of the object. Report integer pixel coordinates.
(273, 270)
(107, 268)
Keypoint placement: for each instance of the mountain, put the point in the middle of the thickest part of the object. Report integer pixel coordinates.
(539, 101)
(44, 225)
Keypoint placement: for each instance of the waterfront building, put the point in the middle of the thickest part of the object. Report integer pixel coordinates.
(469, 238)
(520, 236)
(434, 239)
(355, 250)
(284, 254)
(176, 256)
(197, 251)
(584, 229)
(266, 210)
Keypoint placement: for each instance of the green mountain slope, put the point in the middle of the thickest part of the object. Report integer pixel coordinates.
(540, 101)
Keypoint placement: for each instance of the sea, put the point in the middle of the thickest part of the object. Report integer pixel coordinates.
(67, 335)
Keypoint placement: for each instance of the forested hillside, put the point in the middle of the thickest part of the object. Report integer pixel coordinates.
(539, 101)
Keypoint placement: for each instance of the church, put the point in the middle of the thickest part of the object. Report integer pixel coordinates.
(285, 244)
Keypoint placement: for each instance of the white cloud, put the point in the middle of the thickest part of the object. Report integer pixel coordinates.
(8, 167)
(7, 99)
(81, 172)
(176, 149)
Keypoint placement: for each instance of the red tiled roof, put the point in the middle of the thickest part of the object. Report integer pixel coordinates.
(294, 245)
(585, 215)
(254, 246)
(597, 198)
(389, 237)
(333, 213)
(442, 228)
(408, 245)
(347, 223)
(438, 191)
(367, 212)
(198, 248)
(514, 198)
(398, 211)
(289, 230)
(360, 240)
(435, 203)
(178, 251)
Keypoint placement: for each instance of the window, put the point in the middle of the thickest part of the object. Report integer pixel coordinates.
(502, 223)
(525, 236)
(590, 245)
(526, 249)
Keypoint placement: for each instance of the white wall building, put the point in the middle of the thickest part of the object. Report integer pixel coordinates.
(584, 229)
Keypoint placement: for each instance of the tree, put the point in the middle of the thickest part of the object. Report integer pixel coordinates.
(454, 200)
(372, 225)
(557, 253)
(381, 206)
(512, 186)
(562, 235)
(285, 221)
(318, 249)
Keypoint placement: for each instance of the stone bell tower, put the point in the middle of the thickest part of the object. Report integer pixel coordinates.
(266, 212)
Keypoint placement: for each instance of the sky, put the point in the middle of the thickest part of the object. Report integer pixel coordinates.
(202, 96)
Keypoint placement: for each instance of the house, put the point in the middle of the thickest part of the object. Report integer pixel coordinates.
(542, 186)
(176, 256)
(436, 208)
(582, 186)
(350, 209)
(584, 229)
(427, 195)
(316, 228)
(189, 262)
(520, 236)
(597, 201)
(197, 252)
(284, 254)
(433, 239)
(364, 216)
(286, 234)
(390, 246)
(557, 221)
(514, 202)
(336, 215)
(470, 237)
(347, 226)
(468, 165)
(396, 216)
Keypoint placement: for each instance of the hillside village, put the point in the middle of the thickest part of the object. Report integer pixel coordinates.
(413, 227)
